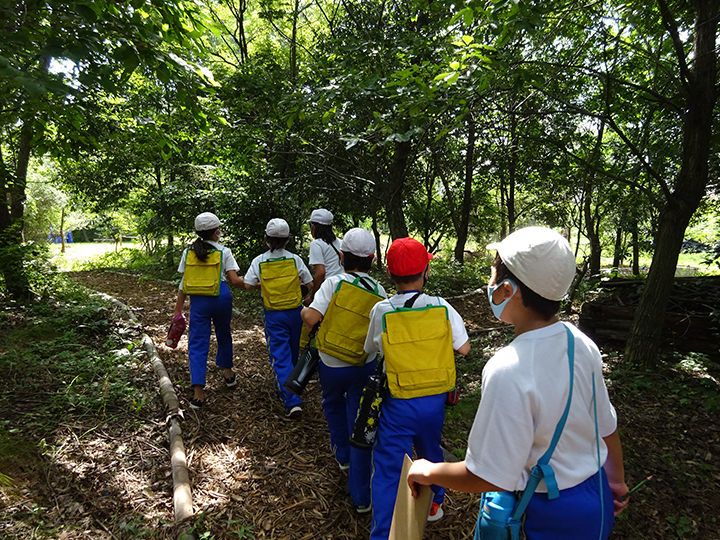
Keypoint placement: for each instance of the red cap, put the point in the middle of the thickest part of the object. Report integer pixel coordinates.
(407, 257)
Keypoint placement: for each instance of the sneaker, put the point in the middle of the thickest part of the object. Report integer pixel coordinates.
(344, 466)
(196, 403)
(363, 509)
(231, 381)
(436, 512)
(293, 413)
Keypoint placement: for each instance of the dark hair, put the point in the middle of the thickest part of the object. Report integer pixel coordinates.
(547, 309)
(200, 246)
(355, 262)
(406, 279)
(275, 243)
(324, 232)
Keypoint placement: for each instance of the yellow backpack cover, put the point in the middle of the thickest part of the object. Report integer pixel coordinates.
(345, 324)
(202, 277)
(419, 355)
(280, 284)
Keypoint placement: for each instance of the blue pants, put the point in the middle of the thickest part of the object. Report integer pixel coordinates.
(574, 515)
(341, 391)
(403, 423)
(282, 334)
(204, 311)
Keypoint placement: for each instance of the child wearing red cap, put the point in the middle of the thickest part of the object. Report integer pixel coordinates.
(410, 421)
(525, 388)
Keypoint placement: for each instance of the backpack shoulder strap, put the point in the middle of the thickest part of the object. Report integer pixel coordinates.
(543, 470)
(365, 283)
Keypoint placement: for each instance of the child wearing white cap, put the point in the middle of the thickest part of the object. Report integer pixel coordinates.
(207, 310)
(324, 257)
(343, 380)
(280, 274)
(524, 392)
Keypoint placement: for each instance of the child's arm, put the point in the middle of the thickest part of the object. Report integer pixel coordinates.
(234, 279)
(464, 348)
(310, 317)
(180, 303)
(319, 277)
(450, 475)
(615, 470)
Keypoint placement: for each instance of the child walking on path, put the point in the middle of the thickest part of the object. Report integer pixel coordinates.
(421, 370)
(206, 309)
(280, 274)
(525, 389)
(324, 258)
(343, 309)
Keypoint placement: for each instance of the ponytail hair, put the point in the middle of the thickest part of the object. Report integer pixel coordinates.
(324, 232)
(200, 246)
(275, 243)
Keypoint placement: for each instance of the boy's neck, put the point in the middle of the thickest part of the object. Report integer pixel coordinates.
(416, 285)
(532, 322)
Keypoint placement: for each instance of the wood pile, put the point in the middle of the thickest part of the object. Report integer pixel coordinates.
(692, 318)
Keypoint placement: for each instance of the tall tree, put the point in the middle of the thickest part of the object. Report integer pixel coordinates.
(99, 43)
(697, 83)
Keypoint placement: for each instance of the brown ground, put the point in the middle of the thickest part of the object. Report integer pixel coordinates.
(248, 465)
(251, 468)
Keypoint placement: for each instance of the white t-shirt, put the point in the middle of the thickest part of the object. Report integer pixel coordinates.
(252, 276)
(524, 393)
(373, 342)
(322, 253)
(228, 262)
(322, 300)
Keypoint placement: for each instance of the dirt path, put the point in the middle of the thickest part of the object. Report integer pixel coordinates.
(249, 467)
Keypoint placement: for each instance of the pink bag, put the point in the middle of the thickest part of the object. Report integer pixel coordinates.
(177, 328)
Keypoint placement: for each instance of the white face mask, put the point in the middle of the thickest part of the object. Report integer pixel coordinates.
(497, 309)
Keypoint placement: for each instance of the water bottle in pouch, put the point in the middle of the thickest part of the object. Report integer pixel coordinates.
(305, 367)
(303, 371)
(368, 415)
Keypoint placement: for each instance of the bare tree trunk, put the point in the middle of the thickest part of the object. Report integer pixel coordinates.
(617, 255)
(635, 250)
(461, 230)
(62, 230)
(396, 183)
(512, 171)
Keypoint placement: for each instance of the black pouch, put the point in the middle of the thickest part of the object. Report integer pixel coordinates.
(368, 414)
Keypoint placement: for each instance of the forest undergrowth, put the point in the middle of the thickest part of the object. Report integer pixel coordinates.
(84, 453)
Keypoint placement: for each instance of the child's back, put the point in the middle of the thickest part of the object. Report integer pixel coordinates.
(414, 411)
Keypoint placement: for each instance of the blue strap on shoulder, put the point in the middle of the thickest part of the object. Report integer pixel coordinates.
(543, 470)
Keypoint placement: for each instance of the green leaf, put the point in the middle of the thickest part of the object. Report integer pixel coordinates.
(87, 13)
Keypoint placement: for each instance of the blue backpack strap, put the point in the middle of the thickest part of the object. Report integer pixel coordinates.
(543, 470)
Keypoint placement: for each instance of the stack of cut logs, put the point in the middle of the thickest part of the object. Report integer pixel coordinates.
(692, 319)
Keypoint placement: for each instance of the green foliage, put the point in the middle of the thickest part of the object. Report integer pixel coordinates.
(450, 278)
(132, 260)
(69, 350)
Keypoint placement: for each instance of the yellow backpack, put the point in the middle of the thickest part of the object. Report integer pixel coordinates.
(418, 348)
(280, 284)
(202, 277)
(345, 324)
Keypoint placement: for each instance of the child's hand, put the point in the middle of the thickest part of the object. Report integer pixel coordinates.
(618, 490)
(419, 475)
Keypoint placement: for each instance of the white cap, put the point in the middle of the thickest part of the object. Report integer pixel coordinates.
(206, 221)
(359, 242)
(540, 258)
(277, 228)
(321, 216)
